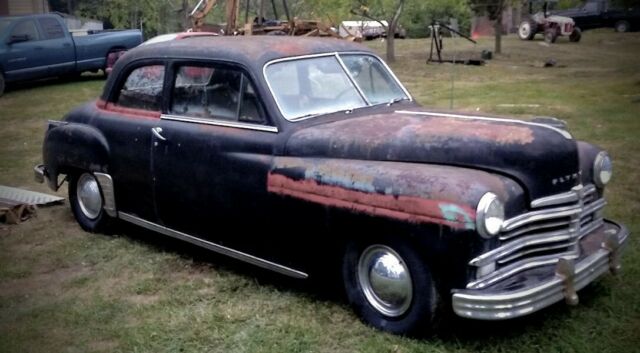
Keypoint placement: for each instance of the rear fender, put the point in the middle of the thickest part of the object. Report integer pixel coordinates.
(73, 146)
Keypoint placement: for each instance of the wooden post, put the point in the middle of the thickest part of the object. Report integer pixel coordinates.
(232, 13)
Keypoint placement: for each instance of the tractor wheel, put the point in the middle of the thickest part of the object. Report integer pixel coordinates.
(575, 35)
(550, 35)
(2, 84)
(527, 29)
(622, 26)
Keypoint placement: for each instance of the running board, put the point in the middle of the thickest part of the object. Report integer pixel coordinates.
(213, 247)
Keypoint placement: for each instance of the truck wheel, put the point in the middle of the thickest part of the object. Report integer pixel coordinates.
(87, 203)
(527, 30)
(1, 83)
(622, 26)
(550, 35)
(575, 35)
(390, 286)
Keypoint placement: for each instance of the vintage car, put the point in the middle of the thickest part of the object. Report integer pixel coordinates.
(309, 158)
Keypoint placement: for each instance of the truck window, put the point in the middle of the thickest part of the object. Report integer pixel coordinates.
(52, 28)
(28, 28)
(143, 88)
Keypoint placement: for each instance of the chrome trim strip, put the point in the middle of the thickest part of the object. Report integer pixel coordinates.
(541, 215)
(218, 122)
(564, 133)
(214, 247)
(353, 82)
(106, 185)
(509, 248)
(310, 56)
(566, 197)
(533, 227)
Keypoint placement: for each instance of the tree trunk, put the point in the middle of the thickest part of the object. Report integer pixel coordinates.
(391, 32)
(497, 28)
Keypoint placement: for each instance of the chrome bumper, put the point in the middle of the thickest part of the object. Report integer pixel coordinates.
(533, 290)
(38, 173)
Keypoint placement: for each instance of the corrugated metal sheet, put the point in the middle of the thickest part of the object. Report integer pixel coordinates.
(16, 196)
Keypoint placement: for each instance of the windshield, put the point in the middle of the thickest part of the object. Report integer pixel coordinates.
(4, 23)
(306, 87)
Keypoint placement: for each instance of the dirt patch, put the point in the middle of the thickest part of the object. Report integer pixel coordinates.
(50, 282)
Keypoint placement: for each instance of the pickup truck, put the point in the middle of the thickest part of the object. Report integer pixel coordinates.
(38, 46)
(602, 13)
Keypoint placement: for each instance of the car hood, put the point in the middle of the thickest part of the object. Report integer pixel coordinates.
(542, 158)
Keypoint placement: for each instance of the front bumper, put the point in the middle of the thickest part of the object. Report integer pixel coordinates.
(535, 289)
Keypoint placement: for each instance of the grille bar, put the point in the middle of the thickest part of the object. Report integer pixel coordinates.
(544, 235)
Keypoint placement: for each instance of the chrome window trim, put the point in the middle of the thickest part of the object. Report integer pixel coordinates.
(238, 255)
(352, 80)
(564, 133)
(219, 122)
(335, 53)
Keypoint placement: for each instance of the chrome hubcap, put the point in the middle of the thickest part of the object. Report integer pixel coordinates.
(385, 280)
(89, 196)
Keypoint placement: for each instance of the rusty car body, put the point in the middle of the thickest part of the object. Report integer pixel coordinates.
(320, 163)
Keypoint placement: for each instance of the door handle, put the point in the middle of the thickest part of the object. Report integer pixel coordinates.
(156, 132)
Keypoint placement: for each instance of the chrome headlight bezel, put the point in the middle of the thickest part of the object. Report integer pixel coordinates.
(489, 215)
(602, 169)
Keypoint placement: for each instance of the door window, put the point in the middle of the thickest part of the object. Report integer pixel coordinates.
(215, 93)
(143, 88)
(28, 28)
(52, 28)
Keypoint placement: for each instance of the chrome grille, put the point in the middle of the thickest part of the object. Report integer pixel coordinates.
(551, 230)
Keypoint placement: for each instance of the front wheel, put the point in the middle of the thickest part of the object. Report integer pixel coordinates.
(87, 203)
(575, 35)
(2, 84)
(550, 35)
(622, 26)
(390, 286)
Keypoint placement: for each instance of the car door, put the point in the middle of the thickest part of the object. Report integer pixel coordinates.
(212, 152)
(24, 57)
(58, 45)
(126, 119)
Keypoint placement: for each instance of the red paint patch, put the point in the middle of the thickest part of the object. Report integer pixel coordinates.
(405, 208)
(131, 112)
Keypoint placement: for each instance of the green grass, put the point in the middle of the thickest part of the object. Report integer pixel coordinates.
(63, 290)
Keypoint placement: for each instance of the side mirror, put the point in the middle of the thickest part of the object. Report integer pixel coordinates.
(18, 38)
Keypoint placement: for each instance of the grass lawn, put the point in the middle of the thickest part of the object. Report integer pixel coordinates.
(63, 290)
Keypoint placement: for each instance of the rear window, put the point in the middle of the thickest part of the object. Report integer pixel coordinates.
(143, 88)
(52, 28)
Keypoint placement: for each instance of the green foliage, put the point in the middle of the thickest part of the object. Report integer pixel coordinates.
(419, 15)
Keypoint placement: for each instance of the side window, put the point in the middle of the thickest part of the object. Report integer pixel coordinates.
(52, 28)
(215, 93)
(143, 88)
(28, 28)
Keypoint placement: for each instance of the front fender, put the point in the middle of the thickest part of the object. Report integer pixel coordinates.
(69, 146)
(410, 192)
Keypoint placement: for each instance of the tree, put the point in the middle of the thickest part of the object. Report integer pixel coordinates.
(379, 10)
(494, 10)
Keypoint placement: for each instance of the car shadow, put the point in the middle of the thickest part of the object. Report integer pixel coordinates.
(470, 334)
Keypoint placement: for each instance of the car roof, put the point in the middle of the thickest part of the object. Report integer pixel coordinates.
(251, 51)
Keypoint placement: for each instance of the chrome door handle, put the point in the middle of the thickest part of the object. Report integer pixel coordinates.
(156, 132)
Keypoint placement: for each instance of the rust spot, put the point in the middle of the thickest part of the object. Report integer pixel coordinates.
(405, 208)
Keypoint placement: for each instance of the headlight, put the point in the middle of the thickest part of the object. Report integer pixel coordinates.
(489, 215)
(602, 169)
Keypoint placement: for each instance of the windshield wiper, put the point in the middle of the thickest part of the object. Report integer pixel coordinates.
(396, 100)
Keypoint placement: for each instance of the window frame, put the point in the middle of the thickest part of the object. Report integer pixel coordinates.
(170, 78)
(43, 29)
(124, 74)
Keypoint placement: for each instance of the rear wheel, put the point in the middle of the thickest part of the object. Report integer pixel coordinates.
(87, 202)
(527, 30)
(575, 35)
(1, 83)
(622, 26)
(550, 35)
(390, 286)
